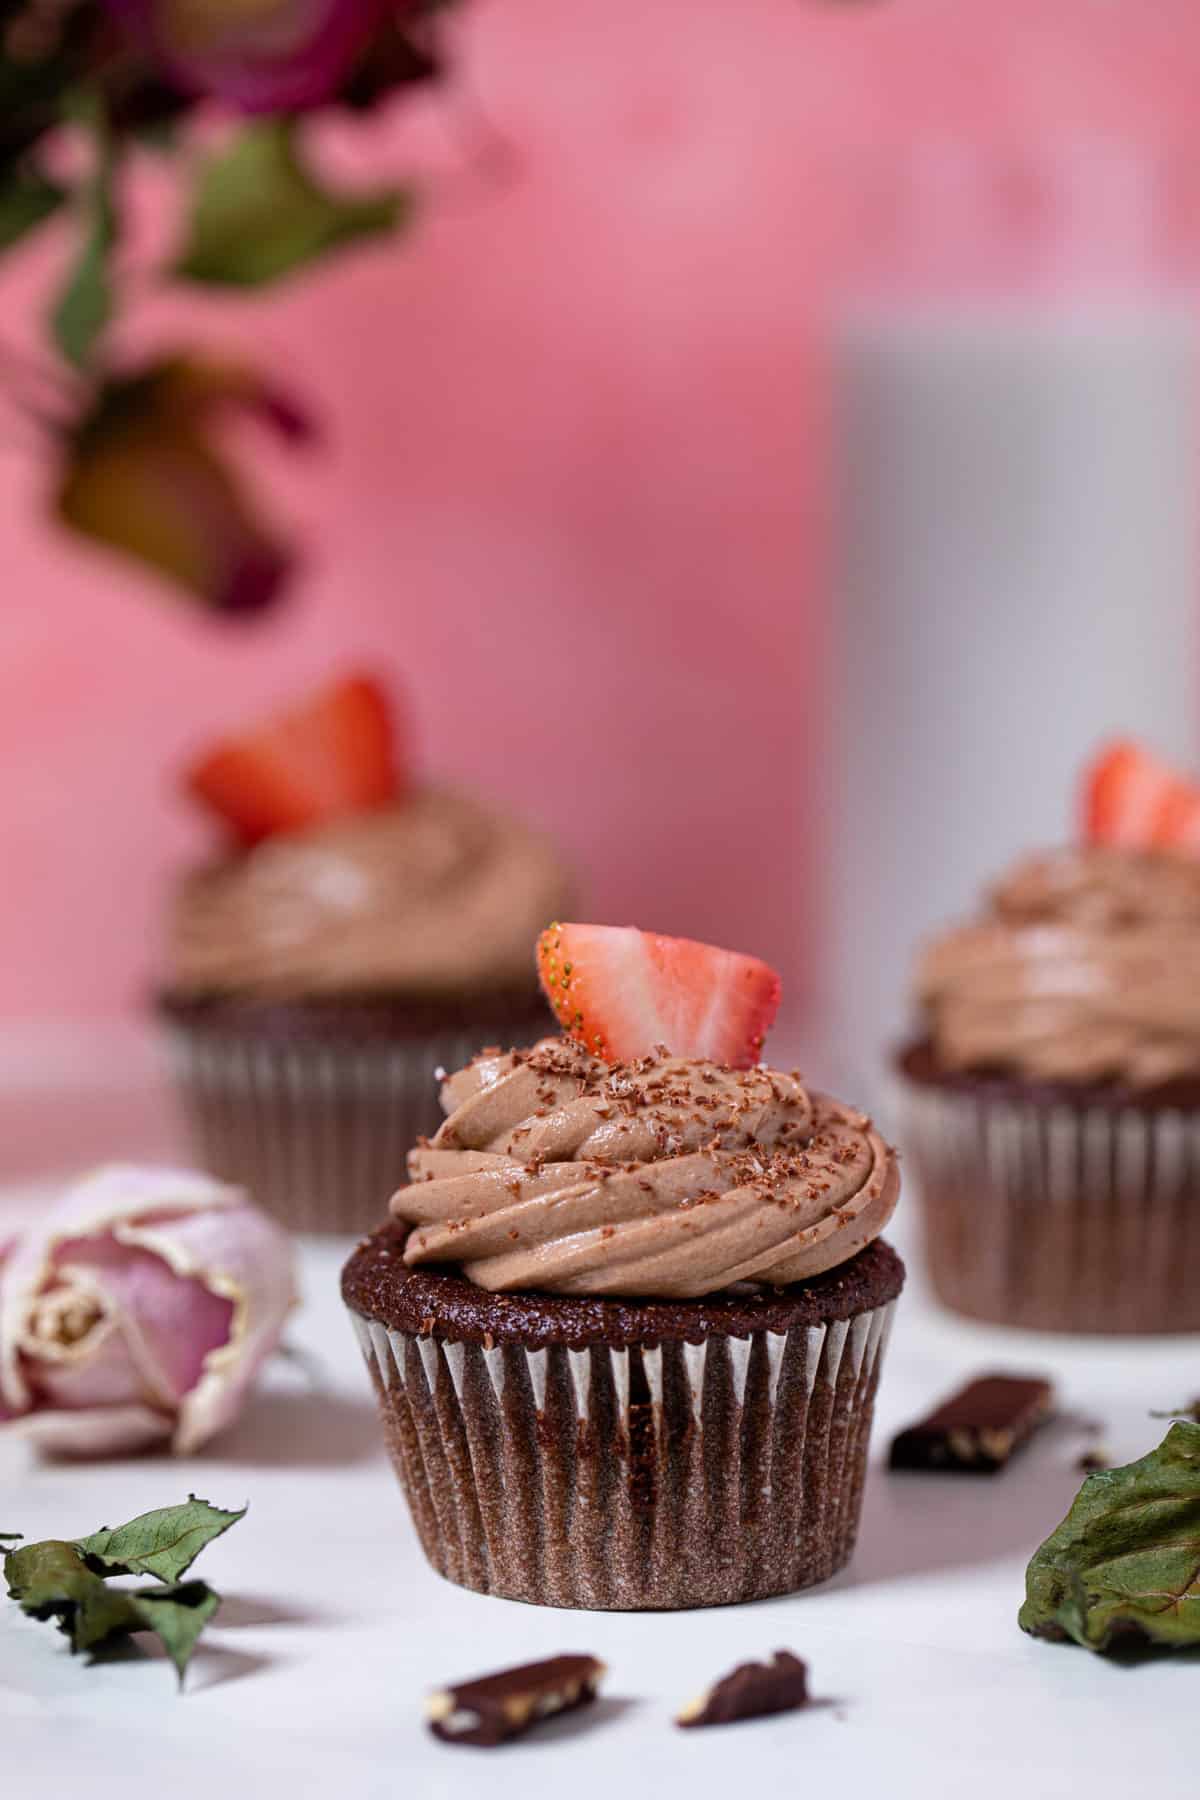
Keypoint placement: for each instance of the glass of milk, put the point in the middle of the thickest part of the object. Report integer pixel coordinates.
(1016, 542)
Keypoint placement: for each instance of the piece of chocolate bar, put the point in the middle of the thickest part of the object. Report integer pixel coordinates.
(492, 1708)
(751, 1691)
(976, 1430)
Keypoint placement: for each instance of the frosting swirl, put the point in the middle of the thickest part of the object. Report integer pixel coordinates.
(434, 896)
(1085, 967)
(662, 1178)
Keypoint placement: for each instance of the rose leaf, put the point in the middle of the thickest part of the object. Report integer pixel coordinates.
(1124, 1565)
(258, 213)
(27, 198)
(164, 1543)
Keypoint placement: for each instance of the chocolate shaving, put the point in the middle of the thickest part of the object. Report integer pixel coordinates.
(493, 1708)
(751, 1691)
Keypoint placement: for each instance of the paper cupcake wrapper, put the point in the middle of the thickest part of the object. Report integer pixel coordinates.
(673, 1476)
(318, 1133)
(1057, 1218)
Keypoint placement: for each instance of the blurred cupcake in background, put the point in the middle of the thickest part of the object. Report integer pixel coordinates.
(1051, 1102)
(358, 933)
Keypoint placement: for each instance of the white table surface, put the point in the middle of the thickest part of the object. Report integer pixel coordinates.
(310, 1681)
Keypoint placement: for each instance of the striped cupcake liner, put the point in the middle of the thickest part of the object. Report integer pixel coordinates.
(317, 1132)
(664, 1477)
(1057, 1218)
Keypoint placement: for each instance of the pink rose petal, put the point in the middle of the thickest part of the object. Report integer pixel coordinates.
(173, 1322)
(98, 1431)
(98, 1371)
(5, 1413)
(247, 1255)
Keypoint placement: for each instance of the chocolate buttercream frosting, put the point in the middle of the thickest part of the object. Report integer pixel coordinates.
(1085, 966)
(664, 1178)
(437, 896)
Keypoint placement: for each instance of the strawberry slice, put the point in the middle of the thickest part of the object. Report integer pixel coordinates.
(1179, 821)
(1135, 800)
(333, 754)
(621, 992)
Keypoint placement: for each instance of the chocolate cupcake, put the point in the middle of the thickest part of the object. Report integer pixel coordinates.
(1051, 1102)
(355, 942)
(626, 1324)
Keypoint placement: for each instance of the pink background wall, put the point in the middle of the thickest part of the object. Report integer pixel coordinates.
(573, 498)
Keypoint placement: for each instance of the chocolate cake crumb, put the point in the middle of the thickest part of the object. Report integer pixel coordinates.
(751, 1691)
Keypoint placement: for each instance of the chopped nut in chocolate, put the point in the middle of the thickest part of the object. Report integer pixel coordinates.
(751, 1691)
(493, 1708)
(977, 1429)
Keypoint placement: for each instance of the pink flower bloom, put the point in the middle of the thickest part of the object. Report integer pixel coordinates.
(259, 55)
(138, 1312)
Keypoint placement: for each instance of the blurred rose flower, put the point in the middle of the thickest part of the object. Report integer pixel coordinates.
(260, 55)
(138, 1312)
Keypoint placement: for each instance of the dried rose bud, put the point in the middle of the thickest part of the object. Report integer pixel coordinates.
(138, 1311)
(143, 472)
(260, 55)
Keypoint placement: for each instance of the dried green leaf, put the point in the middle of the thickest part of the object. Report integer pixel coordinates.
(70, 1583)
(258, 213)
(85, 303)
(164, 1543)
(50, 1580)
(84, 306)
(1124, 1565)
(27, 199)
(1190, 1411)
(177, 1615)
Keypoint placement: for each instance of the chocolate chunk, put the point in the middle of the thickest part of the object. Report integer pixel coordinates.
(492, 1708)
(1094, 1460)
(751, 1692)
(977, 1429)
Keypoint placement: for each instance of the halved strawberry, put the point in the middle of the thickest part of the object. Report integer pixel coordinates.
(333, 754)
(620, 992)
(1134, 799)
(1179, 821)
